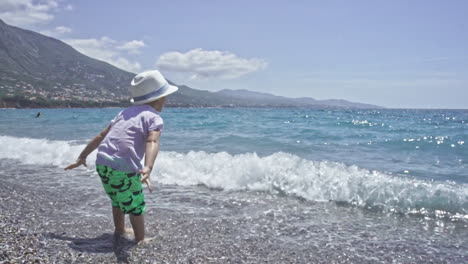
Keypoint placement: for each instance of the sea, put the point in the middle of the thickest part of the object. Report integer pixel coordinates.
(387, 185)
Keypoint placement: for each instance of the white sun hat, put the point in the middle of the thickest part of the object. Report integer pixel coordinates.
(149, 86)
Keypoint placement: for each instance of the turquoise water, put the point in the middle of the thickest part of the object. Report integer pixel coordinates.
(425, 144)
(375, 185)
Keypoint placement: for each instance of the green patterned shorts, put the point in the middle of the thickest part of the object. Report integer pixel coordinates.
(124, 189)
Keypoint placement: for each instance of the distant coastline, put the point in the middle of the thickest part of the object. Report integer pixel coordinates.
(83, 104)
(20, 102)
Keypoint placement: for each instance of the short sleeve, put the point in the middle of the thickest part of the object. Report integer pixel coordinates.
(155, 123)
(116, 118)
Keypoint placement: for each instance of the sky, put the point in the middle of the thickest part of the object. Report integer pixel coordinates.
(399, 53)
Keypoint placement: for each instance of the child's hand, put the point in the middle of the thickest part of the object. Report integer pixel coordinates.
(79, 162)
(145, 177)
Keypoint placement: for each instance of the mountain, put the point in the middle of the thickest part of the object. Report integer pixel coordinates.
(35, 66)
(268, 99)
(40, 71)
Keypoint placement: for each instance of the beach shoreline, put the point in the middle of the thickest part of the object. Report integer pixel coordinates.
(38, 226)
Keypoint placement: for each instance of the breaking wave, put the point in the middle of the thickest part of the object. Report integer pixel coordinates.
(278, 173)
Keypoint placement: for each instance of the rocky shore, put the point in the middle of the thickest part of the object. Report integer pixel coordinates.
(57, 223)
(38, 226)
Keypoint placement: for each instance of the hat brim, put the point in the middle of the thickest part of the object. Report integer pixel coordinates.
(171, 89)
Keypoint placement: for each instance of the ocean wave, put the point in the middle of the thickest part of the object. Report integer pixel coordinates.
(280, 172)
(314, 181)
(41, 151)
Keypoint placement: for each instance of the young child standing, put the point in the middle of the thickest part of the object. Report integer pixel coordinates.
(132, 134)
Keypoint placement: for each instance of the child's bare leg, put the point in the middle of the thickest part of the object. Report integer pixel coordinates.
(138, 224)
(119, 221)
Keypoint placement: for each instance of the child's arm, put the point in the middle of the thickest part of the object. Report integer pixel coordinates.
(92, 145)
(152, 149)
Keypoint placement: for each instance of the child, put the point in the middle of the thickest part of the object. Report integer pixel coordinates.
(134, 132)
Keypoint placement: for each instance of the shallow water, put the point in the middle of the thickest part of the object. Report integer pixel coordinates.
(289, 227)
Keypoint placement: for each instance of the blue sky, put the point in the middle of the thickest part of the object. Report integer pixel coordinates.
(390, 53)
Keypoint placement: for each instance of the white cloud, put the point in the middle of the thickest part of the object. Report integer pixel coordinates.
(56, 32)
(204, 64)
(132, 47)
(27, 12)
(105, 49)
(62, 29)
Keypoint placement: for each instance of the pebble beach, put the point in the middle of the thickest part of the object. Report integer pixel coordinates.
(37, 227)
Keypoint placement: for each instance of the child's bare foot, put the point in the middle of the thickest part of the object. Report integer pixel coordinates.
(145, 241)
(126, 231)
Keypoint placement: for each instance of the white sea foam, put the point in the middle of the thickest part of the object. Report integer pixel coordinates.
(40, 151)
(312, 180)
(278, 173)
